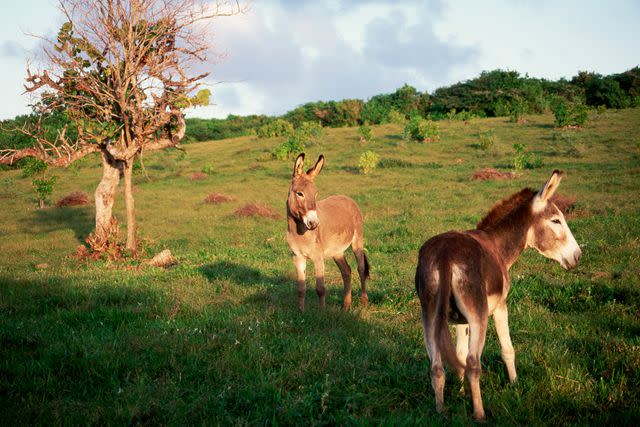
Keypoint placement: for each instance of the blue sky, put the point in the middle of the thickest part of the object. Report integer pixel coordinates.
(283, 53)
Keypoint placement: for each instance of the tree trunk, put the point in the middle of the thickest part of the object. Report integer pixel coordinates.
(132, 241)
(105, 196)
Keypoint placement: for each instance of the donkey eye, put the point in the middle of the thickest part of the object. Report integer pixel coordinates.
(300, 193)
(556, 221)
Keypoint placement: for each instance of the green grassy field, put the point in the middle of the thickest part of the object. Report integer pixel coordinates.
(218, 339)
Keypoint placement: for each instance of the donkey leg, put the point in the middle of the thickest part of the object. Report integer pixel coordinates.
(361, 260)
(462, 350)
(477, 335)
(345, 270)
(319, 272)
(301, 265)
(501, 319)
(437, 370)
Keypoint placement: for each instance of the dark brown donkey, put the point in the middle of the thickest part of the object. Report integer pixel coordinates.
(323, 229)
(463, 278)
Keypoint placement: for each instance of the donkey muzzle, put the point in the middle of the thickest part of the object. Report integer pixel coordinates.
(311, 220)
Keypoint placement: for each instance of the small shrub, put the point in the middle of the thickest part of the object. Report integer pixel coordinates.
(279, 127)
(298, 140)
(32, 166)
(397, 117)
(44, 188)
(419, 129)
(601, 109)
(368, 162)
(366, 134)
(208, 169)
(635, 102)
(569, 115)
(487, 140)
(525, 159)
(294, 144)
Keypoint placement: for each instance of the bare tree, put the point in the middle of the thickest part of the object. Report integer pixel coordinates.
(121, 71)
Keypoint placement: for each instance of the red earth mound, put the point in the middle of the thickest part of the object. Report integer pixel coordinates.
(215, 198)
(77, 198)
(253, 209)
(491, 174)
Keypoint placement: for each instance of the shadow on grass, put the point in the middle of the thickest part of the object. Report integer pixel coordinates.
(77, 354)
(80, 219)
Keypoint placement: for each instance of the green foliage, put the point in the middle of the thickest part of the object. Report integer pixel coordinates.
(420, 130)
(397, 117)
(298, 140)
(32, 166)
(200, 99)
(524, 159)
(44, 188)
(487, 140)
(366, 134)
(209, 169)
(368, 162)
(278, 127)
(569, 115)
(231, 127)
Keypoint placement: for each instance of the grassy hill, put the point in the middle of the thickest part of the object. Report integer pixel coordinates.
(218, 338)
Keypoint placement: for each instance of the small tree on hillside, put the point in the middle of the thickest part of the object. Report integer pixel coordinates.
(120, 71)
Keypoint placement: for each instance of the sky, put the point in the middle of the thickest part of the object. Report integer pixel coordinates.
(284, 53)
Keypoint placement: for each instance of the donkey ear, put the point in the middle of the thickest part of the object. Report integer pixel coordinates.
(548, 190)
(298, 167)
(315, 169)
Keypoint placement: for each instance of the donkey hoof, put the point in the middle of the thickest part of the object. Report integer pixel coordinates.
(346, 307)
(365, 301)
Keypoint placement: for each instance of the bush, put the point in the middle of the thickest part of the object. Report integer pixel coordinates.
(487, 140)
(44, 188)
(208, 169)
(368, 162)
(32, 166)
(274, 129)
(365, 133)
(310, 130)
(524, 159)
(419, 129)
(569, 115)
(397, 117)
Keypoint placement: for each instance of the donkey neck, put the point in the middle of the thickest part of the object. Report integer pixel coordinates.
(509, 241)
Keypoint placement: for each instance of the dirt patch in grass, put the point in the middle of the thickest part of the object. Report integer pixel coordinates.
(215, 198)
(197, 176)
(77, 198)
(567, 205)
(256, 210)
(492, 174)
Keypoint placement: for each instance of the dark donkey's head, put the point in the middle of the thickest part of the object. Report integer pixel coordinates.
(549, 233)
(301, 202)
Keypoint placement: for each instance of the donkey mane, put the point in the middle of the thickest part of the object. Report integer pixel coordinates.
(510, 209)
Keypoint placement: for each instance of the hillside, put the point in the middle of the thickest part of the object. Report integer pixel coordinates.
(218, 338)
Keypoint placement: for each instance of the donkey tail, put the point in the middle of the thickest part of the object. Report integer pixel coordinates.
(443, 335)
(366, 264)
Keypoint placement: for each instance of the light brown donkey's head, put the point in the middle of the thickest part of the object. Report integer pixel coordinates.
(549, 233)
(301, 202)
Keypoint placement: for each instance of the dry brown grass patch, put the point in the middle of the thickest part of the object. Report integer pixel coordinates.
(256, 210)
(77, 198)
(492, 174)
(215, 198)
